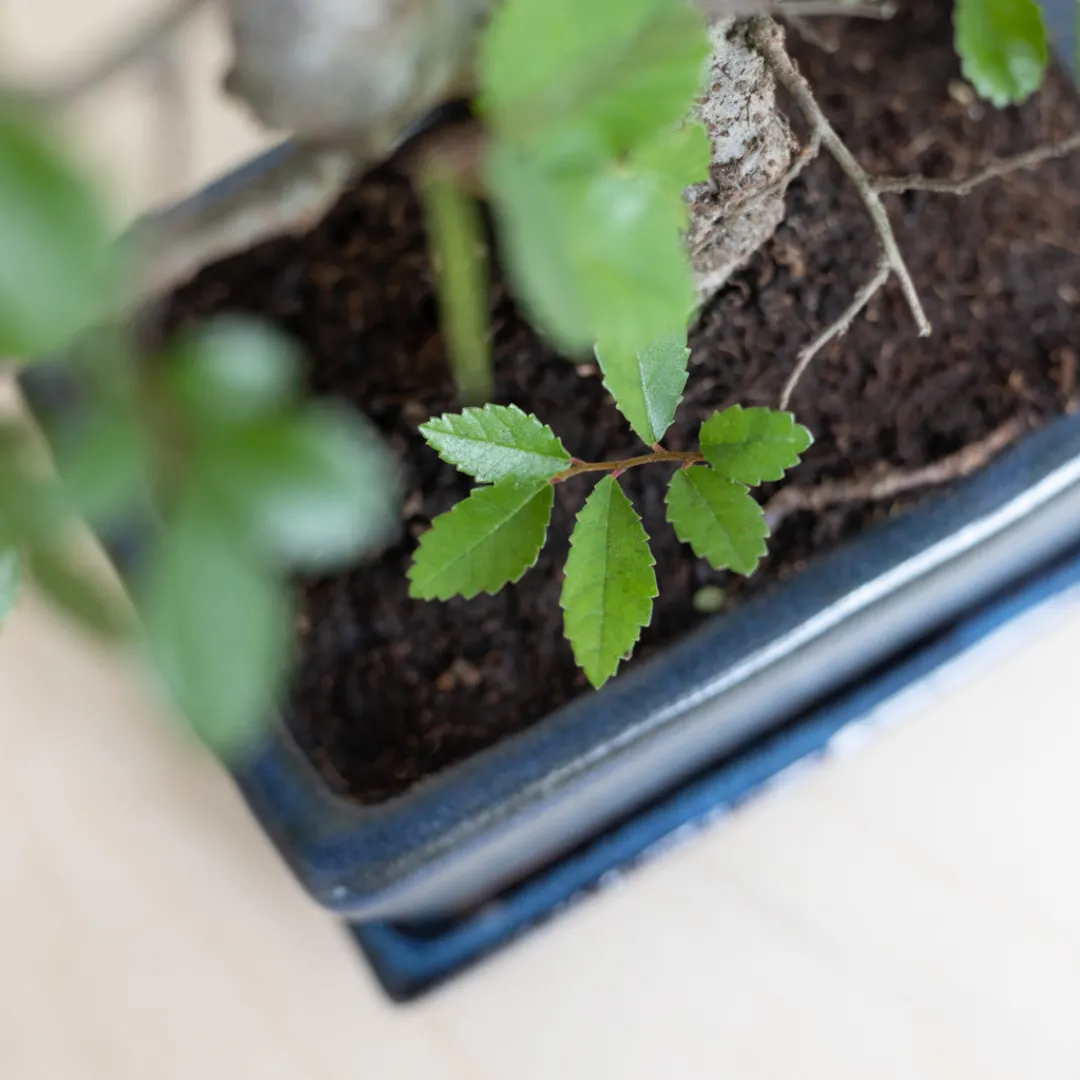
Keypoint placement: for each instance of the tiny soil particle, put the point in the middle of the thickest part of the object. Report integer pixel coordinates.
(388, 690)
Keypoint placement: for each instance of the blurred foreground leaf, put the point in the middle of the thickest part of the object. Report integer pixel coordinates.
(56, 269)
(218, 627)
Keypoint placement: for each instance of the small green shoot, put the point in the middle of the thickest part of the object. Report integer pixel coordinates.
(456, 237)
(492, 537)
(587, 151)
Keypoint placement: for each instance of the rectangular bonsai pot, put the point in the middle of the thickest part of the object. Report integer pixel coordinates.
(457, 838)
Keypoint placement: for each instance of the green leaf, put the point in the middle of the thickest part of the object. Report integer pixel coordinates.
(717, 518)
(217, 625)
(457, 240)
(1003, 47)
(9, 582)
(609, 72)
(753, 445)
(233, 370)
(498, 442)
(485, 542)
(676, 158)
(537, 248)
(594, 255)
(311, 491)
(648, 385)
(608, 590)
(104, 464)
(35, 517)
(77, 589)
(56, 268)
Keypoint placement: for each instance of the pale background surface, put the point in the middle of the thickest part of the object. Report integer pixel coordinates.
(911, 909)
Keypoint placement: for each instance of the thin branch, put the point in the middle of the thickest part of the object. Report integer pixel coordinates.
(684, 458)
(130, 50)
(1029, 159)
(836, 329)
(888, 485)
(768, 39)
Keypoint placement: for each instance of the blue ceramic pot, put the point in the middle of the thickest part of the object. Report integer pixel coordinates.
(460, 836)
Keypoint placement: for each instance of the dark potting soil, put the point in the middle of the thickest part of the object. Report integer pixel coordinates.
(387, 689)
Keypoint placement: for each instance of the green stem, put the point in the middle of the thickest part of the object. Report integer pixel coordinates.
(456, 234)
(683, 457)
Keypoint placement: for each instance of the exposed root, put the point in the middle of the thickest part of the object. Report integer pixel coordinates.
(768, 38)
(836, 329)
(888, 484)
(1029, 159)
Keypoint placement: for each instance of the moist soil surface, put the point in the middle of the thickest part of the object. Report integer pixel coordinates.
(388, 690)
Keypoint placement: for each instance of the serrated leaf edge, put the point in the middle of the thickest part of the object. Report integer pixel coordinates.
(652, 596)
(685, 539)
(538, 486)
(486, 411)
(795, 427)
(653, 435)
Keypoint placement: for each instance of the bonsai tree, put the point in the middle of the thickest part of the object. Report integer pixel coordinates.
(633, 155)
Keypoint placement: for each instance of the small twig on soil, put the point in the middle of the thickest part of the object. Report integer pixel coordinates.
(1029, 159)
(684, 458)
(836, 329)
(143, 41)
(769, 40)
(888, 485)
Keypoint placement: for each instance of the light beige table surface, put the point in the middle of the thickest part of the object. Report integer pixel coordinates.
(911, 909)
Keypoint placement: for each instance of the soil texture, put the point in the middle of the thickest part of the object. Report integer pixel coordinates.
(389, 690)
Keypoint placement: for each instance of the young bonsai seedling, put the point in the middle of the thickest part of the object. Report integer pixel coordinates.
(491, 538)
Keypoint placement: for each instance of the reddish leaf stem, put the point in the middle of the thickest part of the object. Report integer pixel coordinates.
(618, 467)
